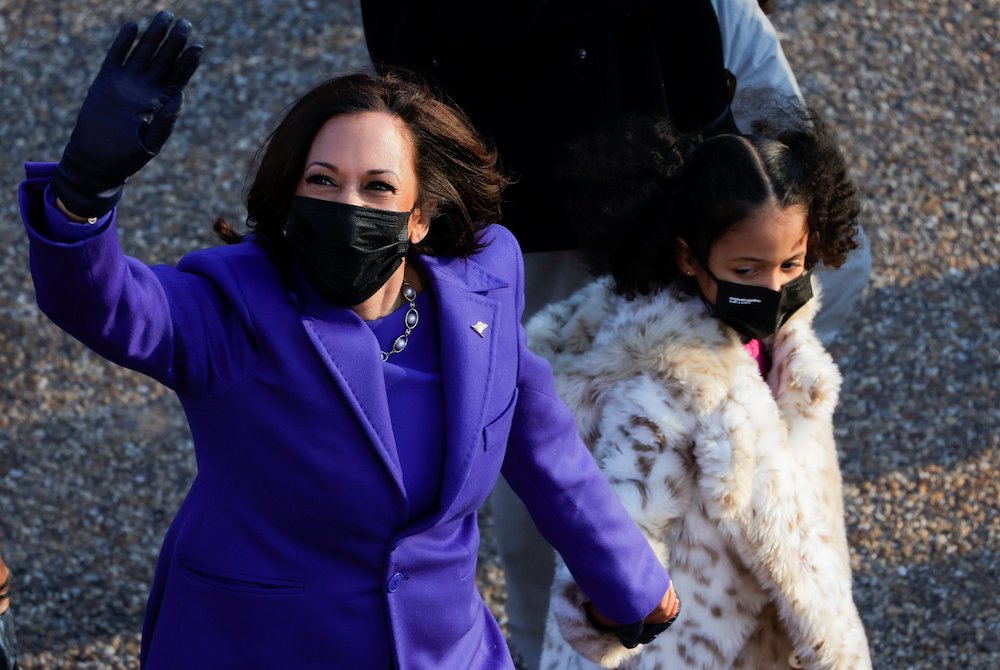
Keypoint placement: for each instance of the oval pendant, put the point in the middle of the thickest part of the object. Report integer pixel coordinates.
(399, 344)
(412, 318)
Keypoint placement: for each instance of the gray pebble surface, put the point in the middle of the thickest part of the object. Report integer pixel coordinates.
(94, 459)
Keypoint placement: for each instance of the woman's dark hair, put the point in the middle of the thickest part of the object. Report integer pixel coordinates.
(459, 183)
(660, 187)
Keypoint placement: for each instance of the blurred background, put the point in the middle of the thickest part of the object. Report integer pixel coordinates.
(94, 460)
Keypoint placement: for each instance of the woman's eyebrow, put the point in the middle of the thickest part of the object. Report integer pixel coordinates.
(328, 166)
(382, 171)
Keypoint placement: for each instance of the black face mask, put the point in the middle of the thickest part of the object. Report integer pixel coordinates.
(755, 311)
(346, 252)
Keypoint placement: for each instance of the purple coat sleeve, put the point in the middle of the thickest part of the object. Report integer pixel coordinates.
(571, 501)
(156, 320)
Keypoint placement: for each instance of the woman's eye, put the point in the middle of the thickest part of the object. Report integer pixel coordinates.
(743, 272)
(320, 179)
(791, 265)
(382, 186)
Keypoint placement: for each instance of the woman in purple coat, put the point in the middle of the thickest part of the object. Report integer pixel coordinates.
(353, 373)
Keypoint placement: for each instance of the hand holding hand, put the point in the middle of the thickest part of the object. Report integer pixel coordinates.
(667, 610)
(128, 114)
(641, 632)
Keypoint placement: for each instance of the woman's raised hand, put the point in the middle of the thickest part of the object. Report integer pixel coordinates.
(128, 114)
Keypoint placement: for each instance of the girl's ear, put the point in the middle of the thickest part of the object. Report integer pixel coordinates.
(686, 262)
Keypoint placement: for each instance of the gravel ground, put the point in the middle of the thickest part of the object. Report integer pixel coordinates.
(94, 460)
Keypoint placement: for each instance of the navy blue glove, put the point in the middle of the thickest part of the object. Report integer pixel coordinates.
(127, 115)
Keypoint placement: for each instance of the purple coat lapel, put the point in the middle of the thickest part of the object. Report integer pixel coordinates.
(350, 352)
(467, 361)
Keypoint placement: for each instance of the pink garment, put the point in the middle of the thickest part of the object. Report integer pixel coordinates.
(758, 351)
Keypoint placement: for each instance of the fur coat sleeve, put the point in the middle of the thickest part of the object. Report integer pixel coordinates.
(734, 480)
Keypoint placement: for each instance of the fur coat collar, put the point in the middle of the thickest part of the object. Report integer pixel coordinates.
(733, 478)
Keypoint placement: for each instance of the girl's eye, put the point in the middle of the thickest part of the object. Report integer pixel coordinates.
(743, 272)
(791, 265)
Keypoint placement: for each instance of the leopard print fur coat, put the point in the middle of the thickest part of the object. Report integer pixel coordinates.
(734, 480)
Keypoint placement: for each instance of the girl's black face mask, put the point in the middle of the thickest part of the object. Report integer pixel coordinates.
(347, 252)
(755, 311)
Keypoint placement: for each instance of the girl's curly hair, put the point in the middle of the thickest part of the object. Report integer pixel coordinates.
(649, 186)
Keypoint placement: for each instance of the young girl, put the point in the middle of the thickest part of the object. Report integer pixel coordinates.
(700, 387)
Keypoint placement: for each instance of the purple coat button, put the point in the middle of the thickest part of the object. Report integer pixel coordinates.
(394, 582)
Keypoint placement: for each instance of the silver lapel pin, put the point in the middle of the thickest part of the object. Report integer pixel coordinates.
(480, 328)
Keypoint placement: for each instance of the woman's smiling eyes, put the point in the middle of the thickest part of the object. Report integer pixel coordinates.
(323, 179)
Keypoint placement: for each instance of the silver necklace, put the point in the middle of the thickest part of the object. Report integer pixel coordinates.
(410, 321)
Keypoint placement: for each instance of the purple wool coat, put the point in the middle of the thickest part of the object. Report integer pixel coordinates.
(293, 547)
